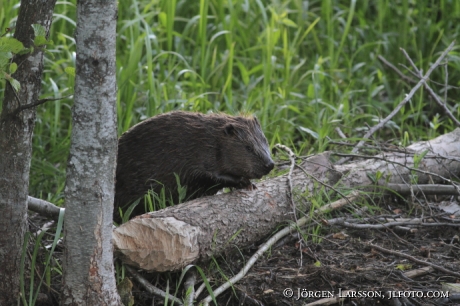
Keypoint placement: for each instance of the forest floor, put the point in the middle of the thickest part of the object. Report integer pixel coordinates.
(345, 261)
(295, 272)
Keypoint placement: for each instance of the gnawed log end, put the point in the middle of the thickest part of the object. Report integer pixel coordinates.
(157, 244)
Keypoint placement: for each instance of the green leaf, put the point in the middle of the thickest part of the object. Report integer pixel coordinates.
(10, 44)
(372, 177)
(39, 30)
(163, 19)
(70, 71)
(13, 68)
(294, 108)
(309, 131)
(403, 267)
(5, 59)
(289, 23)
(26, 50)
(378, 175)
(418, 158)
(244, 72)
(40, 40)
(49, 54)
(14, 83)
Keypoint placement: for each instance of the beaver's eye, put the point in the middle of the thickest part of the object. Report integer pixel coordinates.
(249, 148)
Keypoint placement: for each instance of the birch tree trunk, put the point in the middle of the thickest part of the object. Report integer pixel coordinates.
(88, 277)
(16, 129)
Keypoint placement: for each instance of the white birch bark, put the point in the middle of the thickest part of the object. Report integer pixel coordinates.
(88, 277)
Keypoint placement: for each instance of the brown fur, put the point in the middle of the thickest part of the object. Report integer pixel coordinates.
(208, 152)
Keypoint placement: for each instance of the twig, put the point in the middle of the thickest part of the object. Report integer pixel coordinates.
(338, 299)
(44, 208)
(442, 104)
(418, 222)
(302, 221)
(321, 182)
(411, 258)
(406, 153)
(428, 189)
(391, 149)
(401, 104)
(403, 165)
(189, 286)
(395, 69)
(340, 133)
(411, 62)
(446, 77)
(291, 193)
(432, 81)
(431, 92)
(397, 218)
(39, 102)
(427, 87)
(200, 289)
(150, 288)
(418, 272)
(291, 169)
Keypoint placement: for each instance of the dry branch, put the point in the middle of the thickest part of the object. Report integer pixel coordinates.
(416, 260)
(430, 189)
(44, 208)
(419, 272)
(436, 98)
(152, 289)
(189, 286)
(422, 81)
(353, 223)
(338, 299)
(174, 237)
(439, 165)
(442, 104)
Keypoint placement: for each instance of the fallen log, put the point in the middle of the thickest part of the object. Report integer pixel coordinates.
(176, 236)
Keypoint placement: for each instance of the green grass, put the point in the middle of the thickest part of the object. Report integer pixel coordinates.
(304, 68)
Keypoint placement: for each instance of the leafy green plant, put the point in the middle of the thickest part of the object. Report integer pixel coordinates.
(10, 46)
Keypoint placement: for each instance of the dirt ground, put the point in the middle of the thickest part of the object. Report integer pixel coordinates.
(330, 260)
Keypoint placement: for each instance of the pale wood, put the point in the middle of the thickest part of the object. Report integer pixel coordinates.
(419, 272)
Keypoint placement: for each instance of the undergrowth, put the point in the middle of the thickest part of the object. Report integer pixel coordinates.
(303, 67)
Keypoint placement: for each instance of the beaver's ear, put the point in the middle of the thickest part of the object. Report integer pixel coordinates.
(229, 129)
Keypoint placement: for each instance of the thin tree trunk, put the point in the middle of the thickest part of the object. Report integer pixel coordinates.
(16, 129)
(88, 277)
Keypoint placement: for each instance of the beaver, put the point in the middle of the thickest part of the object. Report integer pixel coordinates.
(205, 152)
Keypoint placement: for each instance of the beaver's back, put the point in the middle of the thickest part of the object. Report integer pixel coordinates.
(207, 152)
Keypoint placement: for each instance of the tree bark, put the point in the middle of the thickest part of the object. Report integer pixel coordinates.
(174, 237)
(16, 129)
(88, 277)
